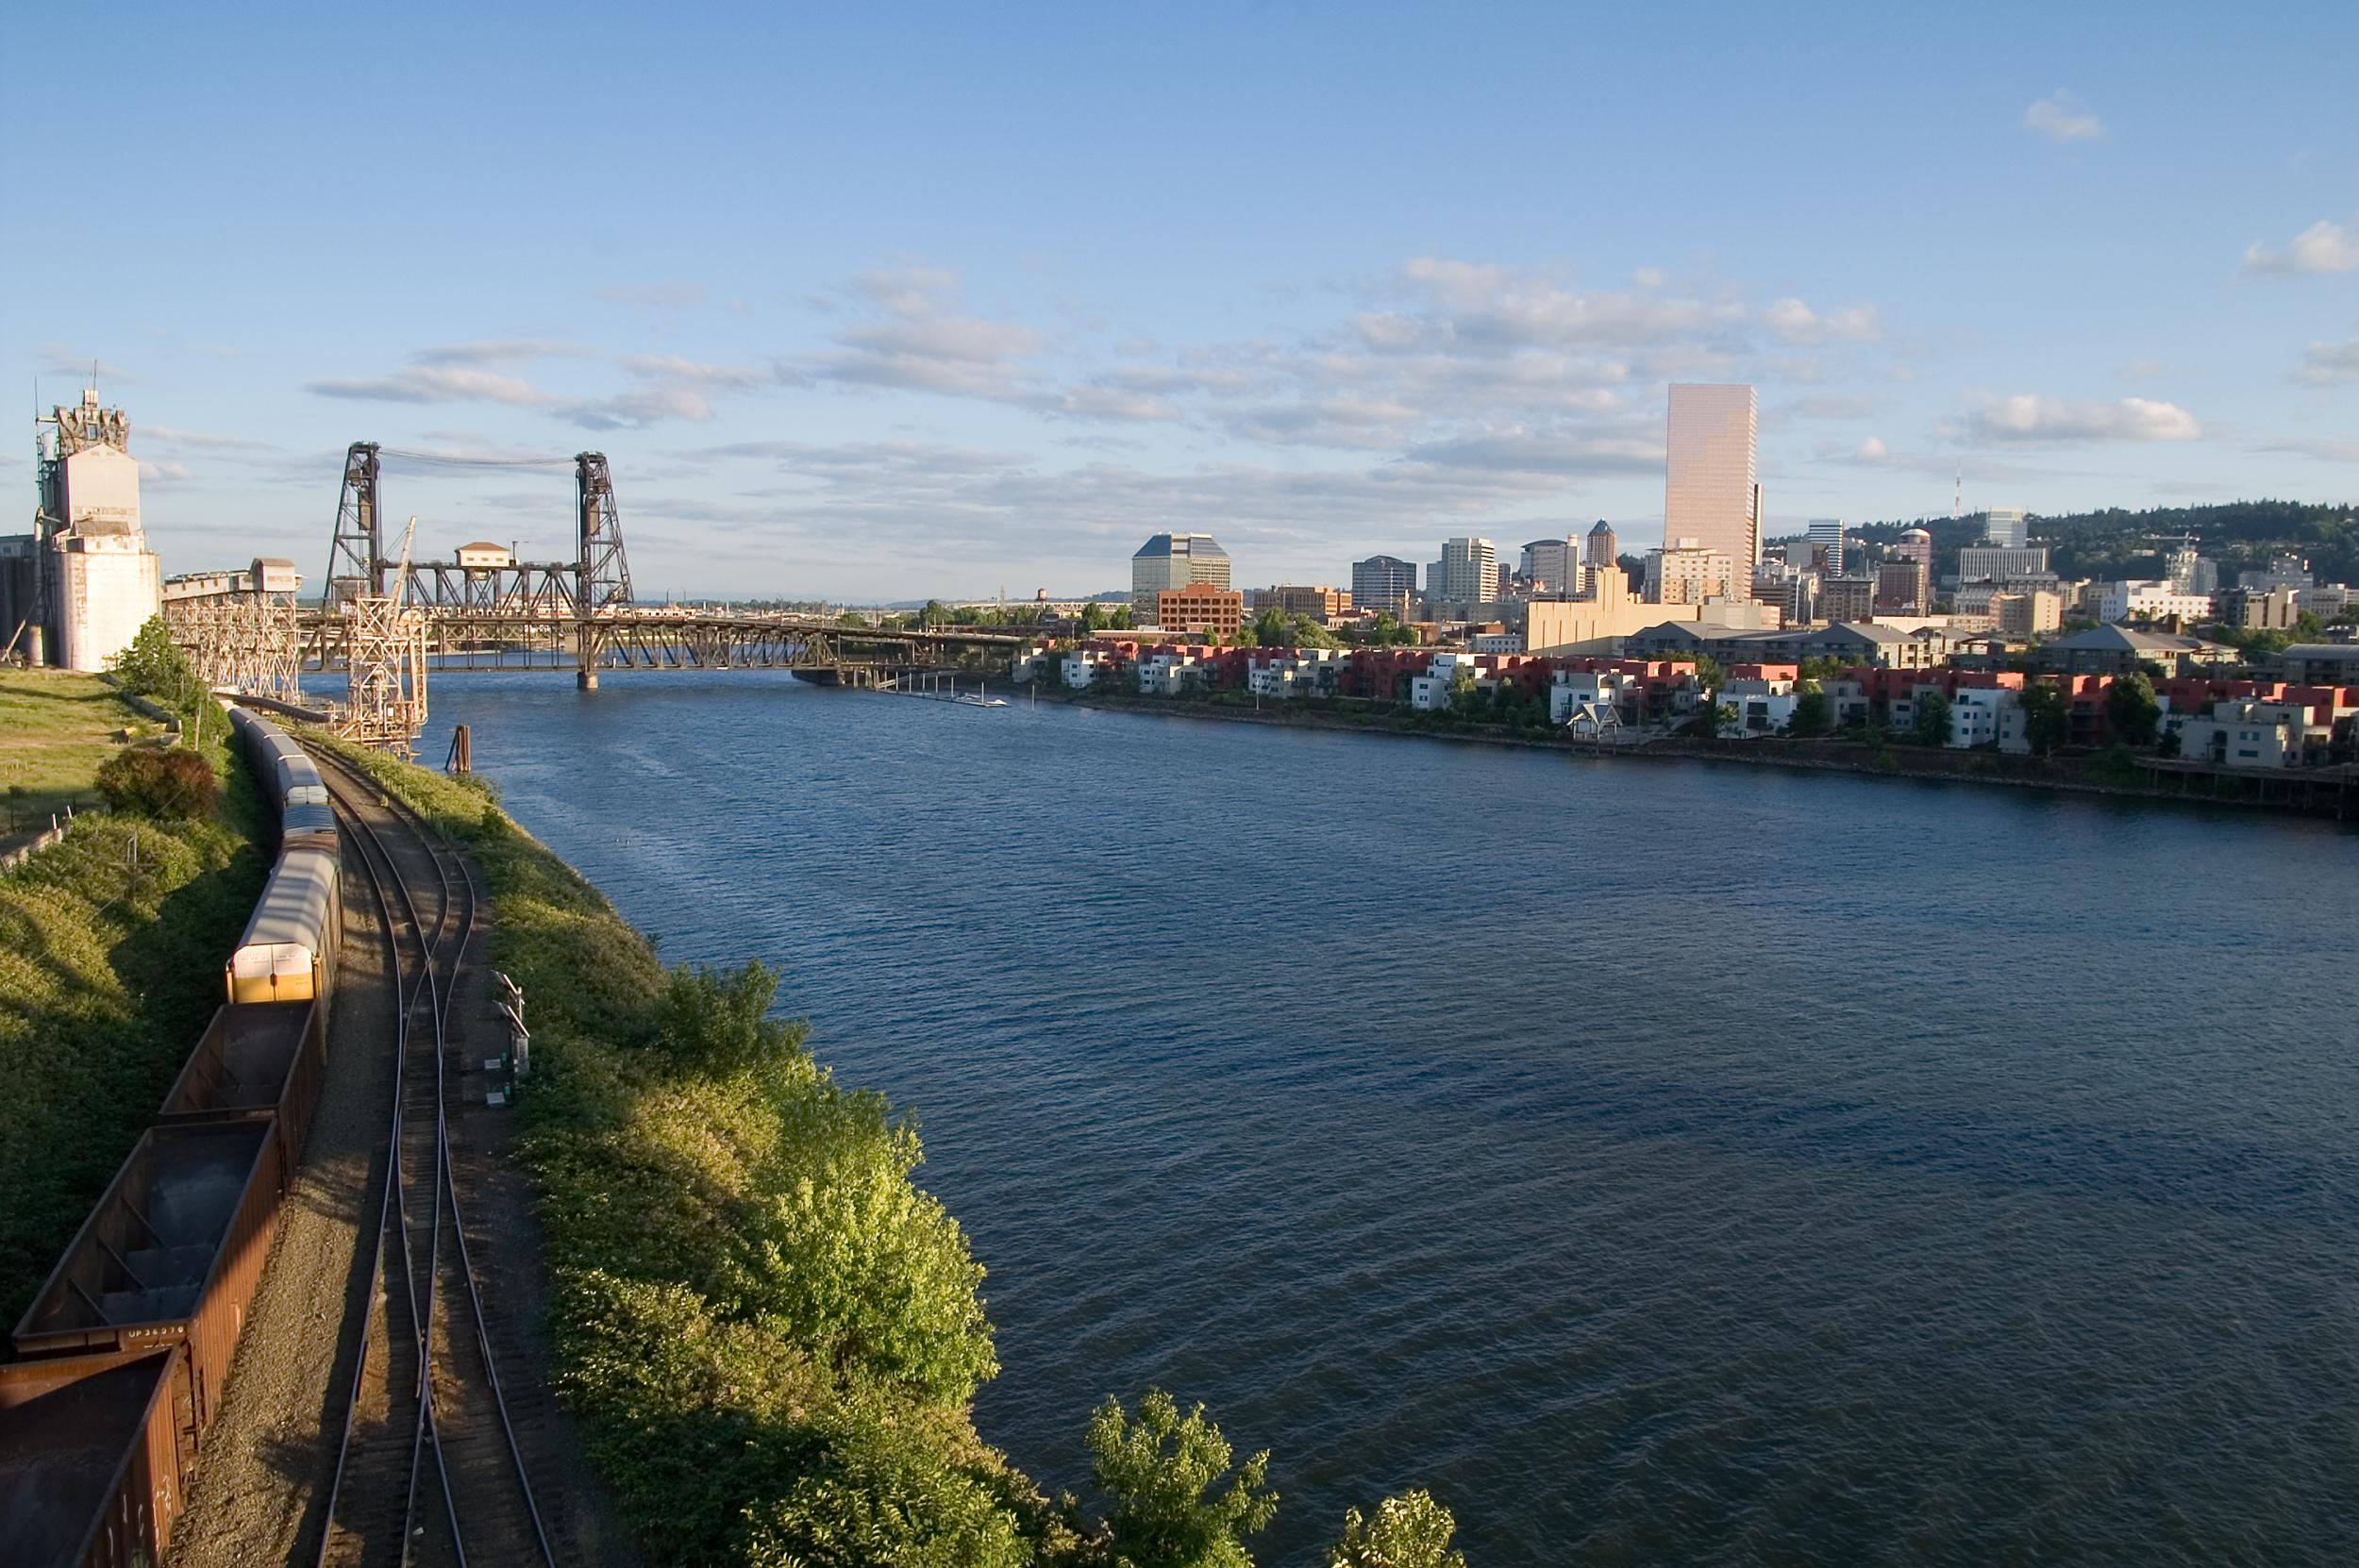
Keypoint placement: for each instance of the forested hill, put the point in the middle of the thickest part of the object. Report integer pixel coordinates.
(2115, 543)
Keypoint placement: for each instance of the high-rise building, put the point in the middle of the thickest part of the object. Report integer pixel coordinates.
(2006, 526)
(1216, 612)
(1384, 583)
(2192, 572)
(2283, 572)
(1467, 573)
(1847, 599)
(1902, 587)
(1173, 560)
(1686, 572)
(1599, 549)
(1320, 602)
(1825, 533)
(1998, 562)
(1710, 489)
(1553, 563)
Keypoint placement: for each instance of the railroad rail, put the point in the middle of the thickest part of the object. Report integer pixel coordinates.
(428, 1467)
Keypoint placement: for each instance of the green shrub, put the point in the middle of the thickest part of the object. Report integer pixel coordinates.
(169, 784)
(1160, 1471)
(1409, 1531)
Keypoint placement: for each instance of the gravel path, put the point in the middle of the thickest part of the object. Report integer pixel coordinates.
(262, 1476)
(260, 1487)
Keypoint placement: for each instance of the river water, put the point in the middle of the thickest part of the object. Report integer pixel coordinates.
(1664, 1163)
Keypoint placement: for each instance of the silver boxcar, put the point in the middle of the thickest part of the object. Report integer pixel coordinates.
(287, 953)
(306, 826)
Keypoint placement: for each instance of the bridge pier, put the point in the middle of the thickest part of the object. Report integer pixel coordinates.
(586, 680)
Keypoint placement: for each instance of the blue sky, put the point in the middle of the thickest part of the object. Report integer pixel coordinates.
(882, 302)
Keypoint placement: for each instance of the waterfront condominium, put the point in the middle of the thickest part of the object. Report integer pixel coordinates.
(1173, 560)
(1710, 492)
(1384, 582)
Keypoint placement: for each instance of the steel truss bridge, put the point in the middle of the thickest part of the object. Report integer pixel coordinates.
(579, 614)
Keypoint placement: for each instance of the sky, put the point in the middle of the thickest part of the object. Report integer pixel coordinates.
(880, 302)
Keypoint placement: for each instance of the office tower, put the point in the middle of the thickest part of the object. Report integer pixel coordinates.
(1384, 582)
(2006, 526)
(1599, 548)
(1826, 533)
(1710, 492)
(1173, 560)
(1467, 573)
(1553, 563)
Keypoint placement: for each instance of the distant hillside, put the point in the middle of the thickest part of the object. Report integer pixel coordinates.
(2114, 543)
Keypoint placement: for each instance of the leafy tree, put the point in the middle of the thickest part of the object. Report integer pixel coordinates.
(1160, 1471)
(2045, 724)
(933, 614)
(1819, 667)
(1810, 710)
(1119, 620)
(847, 1256)
(2131, 712)
(150, 782)
(1463, 690)
(1931, 728)
(1711, 674)
(153, 667)
(715, 1020)
(1409, 1531)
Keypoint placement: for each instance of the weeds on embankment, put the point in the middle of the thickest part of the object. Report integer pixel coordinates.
(111, 942)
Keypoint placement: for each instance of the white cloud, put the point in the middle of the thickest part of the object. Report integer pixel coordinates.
(1791, 322)
(436, 384)
(1872, 451)
(2327, 363)
(2327, 450)
(2325, 246)
(492, 351)
(2026, 418)
(2062, 117)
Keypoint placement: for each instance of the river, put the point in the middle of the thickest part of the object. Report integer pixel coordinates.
(1663, 1162)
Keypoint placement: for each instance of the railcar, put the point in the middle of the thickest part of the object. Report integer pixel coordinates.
(287, 953)
(307, 827)
(170, 1256)
(255, 1062)
(95, 1456)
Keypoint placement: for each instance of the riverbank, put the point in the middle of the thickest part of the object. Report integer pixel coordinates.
(769, 1333)
(2080, 773)
(111, 942)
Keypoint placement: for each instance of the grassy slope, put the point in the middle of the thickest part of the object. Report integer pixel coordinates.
(54, 730)
(725, 1438)
(110, 951)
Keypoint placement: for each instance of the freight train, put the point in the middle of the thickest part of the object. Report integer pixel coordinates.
(127, 1347)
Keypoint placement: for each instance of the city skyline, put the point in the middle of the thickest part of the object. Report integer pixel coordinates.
(965, 304)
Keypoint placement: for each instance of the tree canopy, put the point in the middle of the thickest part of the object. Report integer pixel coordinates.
(1409, 1531)
(1163, 1471)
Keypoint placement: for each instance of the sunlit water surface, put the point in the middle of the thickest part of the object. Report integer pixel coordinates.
(1663, 1163)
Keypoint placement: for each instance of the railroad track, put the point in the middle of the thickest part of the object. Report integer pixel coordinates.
(428, 1468)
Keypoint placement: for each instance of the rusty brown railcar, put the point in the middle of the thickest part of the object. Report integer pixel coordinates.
(95, 1456)
(170, 1256)
(256, 1060)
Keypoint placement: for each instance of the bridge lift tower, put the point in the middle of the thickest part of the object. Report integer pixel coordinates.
(596, 579)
